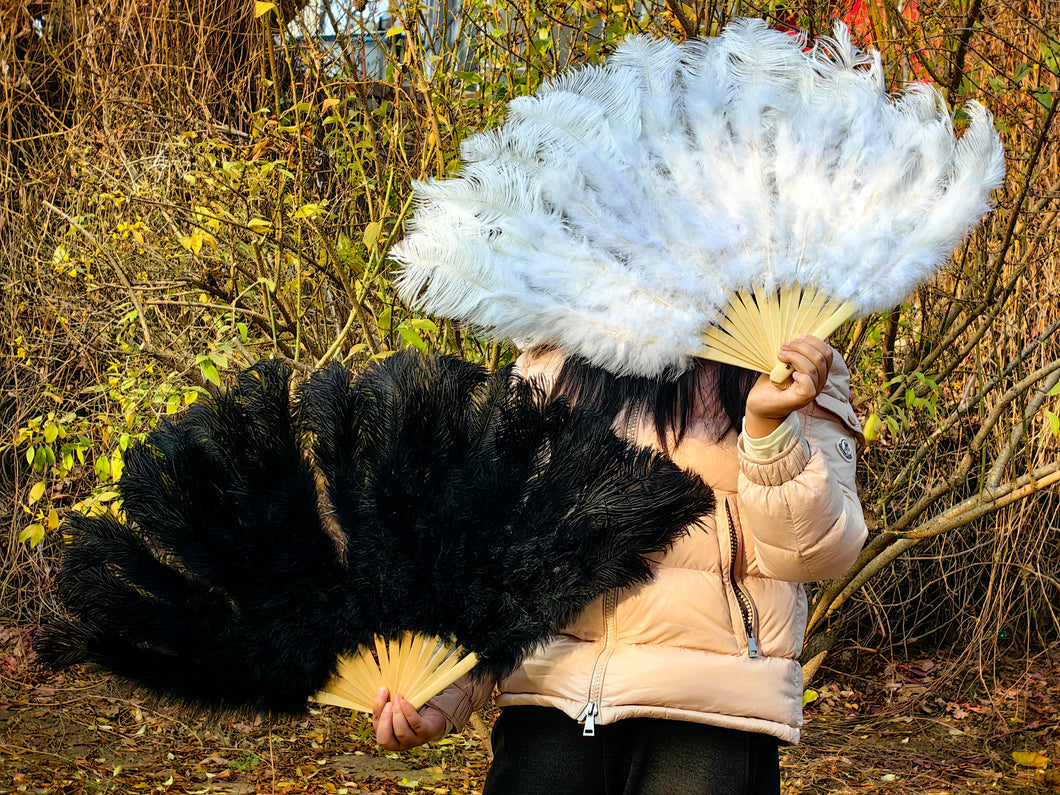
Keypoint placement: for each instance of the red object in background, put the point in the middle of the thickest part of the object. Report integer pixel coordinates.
(859, 19)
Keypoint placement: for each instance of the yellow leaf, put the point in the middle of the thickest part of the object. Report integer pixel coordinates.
(328, 104)
(36, 492)
(207, 217)
(262, 8)
(192, 242)
(1030, 759)
(872, 427)
(259, 226)
(310, 210)
(371, 233)
(117, 464)
(809, 696)
(53, 519)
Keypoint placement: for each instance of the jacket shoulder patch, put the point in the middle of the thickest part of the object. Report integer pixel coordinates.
(846, 449)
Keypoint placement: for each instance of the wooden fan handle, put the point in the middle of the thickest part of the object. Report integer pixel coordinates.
(780, 376)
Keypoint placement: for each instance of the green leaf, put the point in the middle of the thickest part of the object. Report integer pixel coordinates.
(209, 371)
(385, 320)
(1054, 422)
(1055, 390)
(412, 337)
(32, 535)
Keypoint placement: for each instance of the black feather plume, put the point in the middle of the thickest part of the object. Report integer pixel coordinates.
(480, 510)
(222, 586)
(468, 506)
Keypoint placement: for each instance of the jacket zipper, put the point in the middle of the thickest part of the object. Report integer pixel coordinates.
(747, 607)
(596, 685)
(591, 711)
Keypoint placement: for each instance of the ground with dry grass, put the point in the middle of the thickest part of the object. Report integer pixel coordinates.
(900, 727)
(206, 194)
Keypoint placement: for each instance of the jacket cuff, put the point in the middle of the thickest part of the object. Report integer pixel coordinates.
(776, 442)
(777, 469)
(455, 703)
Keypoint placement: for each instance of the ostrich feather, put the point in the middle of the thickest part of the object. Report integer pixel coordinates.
(221, 586)
(478, 509)
(459, 505)
(619, 208)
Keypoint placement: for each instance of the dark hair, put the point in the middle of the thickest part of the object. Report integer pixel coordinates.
(717, 392)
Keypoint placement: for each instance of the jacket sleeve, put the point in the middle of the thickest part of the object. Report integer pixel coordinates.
(460, 699)
(801, 505)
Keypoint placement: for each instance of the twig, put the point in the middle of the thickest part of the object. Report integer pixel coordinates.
(114, 264)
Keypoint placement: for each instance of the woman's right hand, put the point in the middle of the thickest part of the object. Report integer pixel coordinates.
(399, 726)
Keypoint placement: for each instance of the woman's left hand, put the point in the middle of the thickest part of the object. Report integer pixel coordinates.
(767, 405)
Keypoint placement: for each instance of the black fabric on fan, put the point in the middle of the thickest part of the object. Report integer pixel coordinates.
(467, 506)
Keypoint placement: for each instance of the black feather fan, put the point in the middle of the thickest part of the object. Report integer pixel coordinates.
(222, 586)
(469, 508)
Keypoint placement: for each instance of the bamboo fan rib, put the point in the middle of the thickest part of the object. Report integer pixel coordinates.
(417, 666)
(756, 323)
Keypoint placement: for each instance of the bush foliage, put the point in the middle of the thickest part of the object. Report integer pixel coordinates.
(187, 187)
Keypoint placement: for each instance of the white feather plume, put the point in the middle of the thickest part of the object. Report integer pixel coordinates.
(618, 209)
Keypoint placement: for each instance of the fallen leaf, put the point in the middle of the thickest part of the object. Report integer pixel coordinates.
(1035, 759)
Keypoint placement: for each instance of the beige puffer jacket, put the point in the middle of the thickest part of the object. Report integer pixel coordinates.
(716, 635)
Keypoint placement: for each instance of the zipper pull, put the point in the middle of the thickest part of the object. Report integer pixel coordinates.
(752, 646)
(588, 716)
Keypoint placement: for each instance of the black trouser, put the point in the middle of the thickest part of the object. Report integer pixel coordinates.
(540, 751)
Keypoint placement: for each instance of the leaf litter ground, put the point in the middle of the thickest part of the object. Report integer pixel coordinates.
(922, 726)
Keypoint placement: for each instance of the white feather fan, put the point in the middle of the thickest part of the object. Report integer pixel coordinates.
(735, 187)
